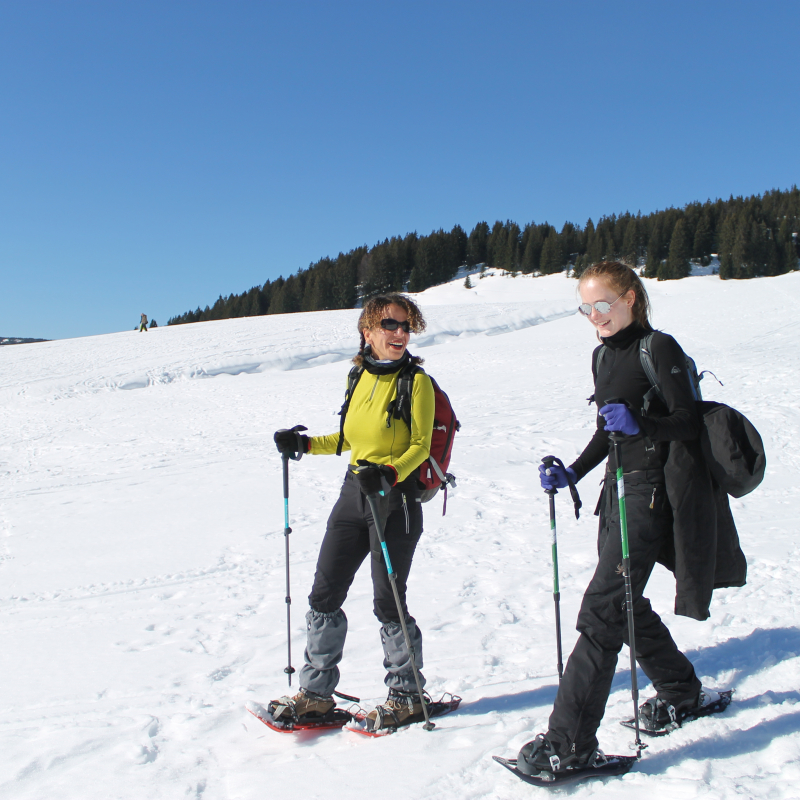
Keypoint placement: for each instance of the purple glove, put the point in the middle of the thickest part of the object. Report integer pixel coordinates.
(557, 479)
(619, 419)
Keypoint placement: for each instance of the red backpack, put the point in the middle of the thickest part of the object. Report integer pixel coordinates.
(433, 472)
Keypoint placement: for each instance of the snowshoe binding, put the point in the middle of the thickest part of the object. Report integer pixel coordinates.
(541, 763)
(304, 712)
(658, 718)
(400, 710)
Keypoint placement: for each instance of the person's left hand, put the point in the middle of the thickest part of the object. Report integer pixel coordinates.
(375, 478)
(619, 419)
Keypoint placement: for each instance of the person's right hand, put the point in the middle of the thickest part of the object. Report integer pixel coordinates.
(557, 479)
(291, 442)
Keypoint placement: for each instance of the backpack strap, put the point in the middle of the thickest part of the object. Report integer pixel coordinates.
(649, 367)
(352, 381)
(597, 362)
(400, 407)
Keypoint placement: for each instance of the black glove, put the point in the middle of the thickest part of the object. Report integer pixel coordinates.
(291, 443)
(375, 478)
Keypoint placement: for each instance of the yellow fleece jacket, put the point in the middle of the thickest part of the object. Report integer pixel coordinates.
(366, 434)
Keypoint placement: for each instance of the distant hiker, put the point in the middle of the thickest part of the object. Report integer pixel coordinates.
(143, 323)
(655, 434)
(395, 451)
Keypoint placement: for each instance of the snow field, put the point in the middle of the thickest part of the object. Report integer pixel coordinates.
(142, 554)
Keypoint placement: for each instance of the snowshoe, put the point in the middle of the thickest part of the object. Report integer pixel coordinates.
(304, 712)
(657, 718)
(400, 710)
(602, 766)
(543, 755)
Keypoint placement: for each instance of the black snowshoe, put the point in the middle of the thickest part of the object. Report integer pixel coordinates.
(542, 763)
(657, 718)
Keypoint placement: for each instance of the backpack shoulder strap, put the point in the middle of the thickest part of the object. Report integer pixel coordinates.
(352, 381)
(400, 407)
(601, 351)
(649, 367)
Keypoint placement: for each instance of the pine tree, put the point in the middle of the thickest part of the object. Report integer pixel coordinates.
(552, 259)
(727, 237)
(467, 283)
(630, 242)
(654, 245)
(594, 243)
(476, 244)
(458, 245)
(677, 264)
(787, 254)
(510, 258)
(740, 254)
(533, 238)
(495, 245)
(703, 239)
(570, 246)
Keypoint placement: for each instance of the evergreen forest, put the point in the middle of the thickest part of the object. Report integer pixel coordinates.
(753, 236)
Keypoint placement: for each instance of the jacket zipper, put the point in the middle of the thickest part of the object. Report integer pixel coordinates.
(374, 387)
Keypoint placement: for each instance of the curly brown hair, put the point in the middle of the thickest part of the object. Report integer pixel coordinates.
(621, 278)
(373, 313)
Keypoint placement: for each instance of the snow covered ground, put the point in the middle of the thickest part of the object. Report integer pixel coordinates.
(142, 568)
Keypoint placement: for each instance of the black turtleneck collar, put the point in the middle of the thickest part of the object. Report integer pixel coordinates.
(386, 367)
(624, 338)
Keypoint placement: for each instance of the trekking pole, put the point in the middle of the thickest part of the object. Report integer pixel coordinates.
(626, 572)
(548, 462)
(286, 531)
(372, 499)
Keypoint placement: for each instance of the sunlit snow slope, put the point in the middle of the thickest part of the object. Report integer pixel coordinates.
(142, 554)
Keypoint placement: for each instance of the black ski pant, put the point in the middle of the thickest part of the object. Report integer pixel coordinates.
(351, 537)
(603, 622)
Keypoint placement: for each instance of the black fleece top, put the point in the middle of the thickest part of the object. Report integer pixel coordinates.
(622, 377)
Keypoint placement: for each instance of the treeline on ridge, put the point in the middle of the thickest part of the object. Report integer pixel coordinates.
(753, 236)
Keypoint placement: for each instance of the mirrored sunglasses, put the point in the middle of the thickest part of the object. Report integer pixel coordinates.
(601, 307)
(393, 325)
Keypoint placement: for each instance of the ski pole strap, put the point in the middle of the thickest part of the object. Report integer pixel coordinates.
(573, 490)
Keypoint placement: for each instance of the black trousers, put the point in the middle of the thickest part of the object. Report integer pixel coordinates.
(602, 621)
(350, 537)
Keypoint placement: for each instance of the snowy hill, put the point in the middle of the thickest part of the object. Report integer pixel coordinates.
(17, 340)
(142, 562)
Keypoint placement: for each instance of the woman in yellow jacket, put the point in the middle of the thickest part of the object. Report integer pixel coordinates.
(396, 452)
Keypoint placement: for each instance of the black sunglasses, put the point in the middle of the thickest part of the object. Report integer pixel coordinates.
(393, 325)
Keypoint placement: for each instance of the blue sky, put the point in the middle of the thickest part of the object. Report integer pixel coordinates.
(154, 155)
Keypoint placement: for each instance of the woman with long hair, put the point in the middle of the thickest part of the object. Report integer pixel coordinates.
(615, 302)
(393, 452)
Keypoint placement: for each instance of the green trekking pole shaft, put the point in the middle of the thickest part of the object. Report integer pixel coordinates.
(548, 462)
(556, 588)
(626, 572)
(286, 531)
(372, 499)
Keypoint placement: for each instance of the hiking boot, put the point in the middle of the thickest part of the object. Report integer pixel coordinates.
(656, 714)
(304, 705)
(545, 756)
(400, 708)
